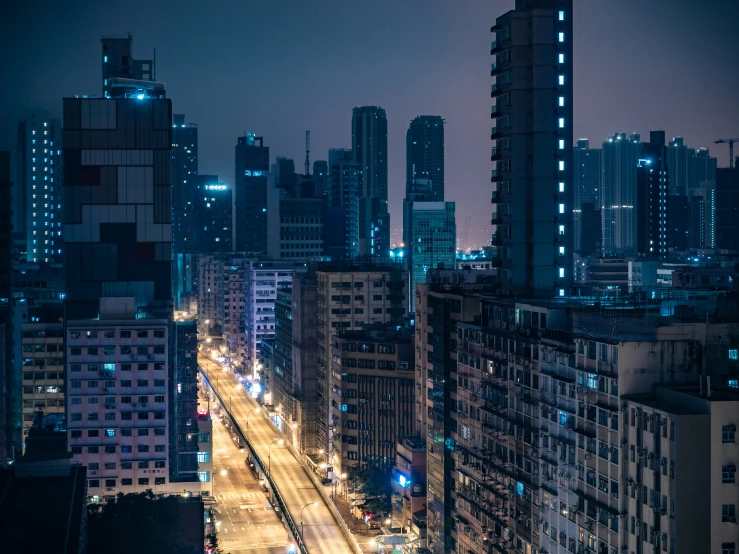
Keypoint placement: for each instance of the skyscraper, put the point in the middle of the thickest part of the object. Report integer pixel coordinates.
(250, 194)
(369, 150)
(678, 160)
(618, 200)
(701, 169)
(727, 208)
(212, 210)
(8, 401)
(342, 223)
(587, 175)
(653, 182)
(707, 191)
(184, 172)
(119, 65)
(38, 202)
(320, 177)
(424, 154)
(533, 175)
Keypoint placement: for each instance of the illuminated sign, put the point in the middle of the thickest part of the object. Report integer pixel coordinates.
(216, 187)
(253, 173)
(403, 481)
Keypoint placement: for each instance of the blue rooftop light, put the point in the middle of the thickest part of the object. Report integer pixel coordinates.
(140, 96)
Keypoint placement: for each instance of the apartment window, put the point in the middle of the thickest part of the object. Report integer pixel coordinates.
(728, 548)
(204, 476)
(76, 384)
(561, 208)
(126, 416)
(561, 145)
(159, 432)
(143, 480)
(728, 513)
(203, 457)
(126, 432)
(93, 483)
(143, 447)
(728, 433)
(77, 417)
(126, 449)
(159, 464)
(561, 37)
(126, 481)
(92, 417)
(76, 434)
(561, 59)
(728, 474)
(159, 480)
(561, 122)
(159, 448)
(110, 483)
(733, 354)
(561, 80)
(93, 450)
(143, 432)
(561, 101)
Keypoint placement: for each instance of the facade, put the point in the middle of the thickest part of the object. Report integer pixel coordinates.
(533, 174)
(212, 213)
(43, 370)
(8, 401)
(727, 208)
(409, 485)
(250, 194)
(320, 177)
(211, 292)
(707, 193)
(117, 200)
(348, 298)
(619, 198)
(342, 231)
(372, 395)
(649, 275)
(118, 418)
(235, 289)
(184, 182)
(588, 174)
(430, 233)
(424, 154)
(701, 169)
(653, 222)
(118, 65)
(678, 160)
(38, 202)
(591, 225)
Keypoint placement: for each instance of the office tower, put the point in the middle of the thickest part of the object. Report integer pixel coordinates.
(707, 191)
(189, 454)
(235, 288)
(212, 212)
(348, 298)
(263, 279)
(8, 401)
(678, 161)
(727, 208)
(117, 198)
(38, 202)
(618, 200)
(369, 151)
(533, 175)
(588, 173)
(184, 277)
(320, 177)
(250, 194)
(678, 218)
(591, 239)
(285, 176)
(697, 222)
(429, 233)
(652, 209)
(119, 66)
(118, 401)
(184, 182)
(372, 391)
(701, 168)
(424, 154)
(342, 218)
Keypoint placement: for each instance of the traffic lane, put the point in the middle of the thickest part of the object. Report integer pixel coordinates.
(320, 529)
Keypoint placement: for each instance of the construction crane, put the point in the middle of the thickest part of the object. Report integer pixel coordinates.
(730, 142)
(307, 154)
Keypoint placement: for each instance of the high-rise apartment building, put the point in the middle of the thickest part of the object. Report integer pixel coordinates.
(342, 232)
(212, 214)
(119, 66)
(701, 169)
(285, 176)
(369, 152)
(320, 177)
(679, 160)
(533, 175)
(184, 182)
(250, 194)
(38, 202)
(618, 200)
(707, 191)
(424, 154)
(727, 208)
(372, 395)
(7, 379)
(588, 172)
(348, 298)
(653, 225)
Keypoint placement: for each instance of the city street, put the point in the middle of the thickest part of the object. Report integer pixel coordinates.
(248, 523)
(321, 533)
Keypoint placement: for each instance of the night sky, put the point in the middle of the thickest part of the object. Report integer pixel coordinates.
(279, 67)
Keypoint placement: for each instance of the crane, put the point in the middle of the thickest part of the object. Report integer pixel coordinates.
(730, 142)
(307, 153)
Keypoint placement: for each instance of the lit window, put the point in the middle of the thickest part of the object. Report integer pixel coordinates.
(561, 292)
(561, 15)
(561, 58)
(734, 354)
(561, 186)
(105, 58)
(561, 122)
(561, 166)
(561, 208)
(561, 272)
(561, 250)
(561, 37)
(561, 79)
(561, 229)
(561, 144)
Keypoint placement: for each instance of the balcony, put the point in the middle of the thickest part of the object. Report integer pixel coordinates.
(496, 154)
(496, 197)
(493, 47)
(494, 112)
(494, 69)
(494, 90)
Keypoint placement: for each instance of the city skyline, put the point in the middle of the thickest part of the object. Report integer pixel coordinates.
(451, 82)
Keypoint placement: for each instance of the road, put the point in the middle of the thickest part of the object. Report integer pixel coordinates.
(321, 533)
(247, 521)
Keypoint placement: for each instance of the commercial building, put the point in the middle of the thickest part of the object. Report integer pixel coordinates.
(587, 174)
(653, 215)
(533, 154)
(320, 177)
(424, 154)
(372, 399)
(38, 202)
(409, 486)
(369, 152)
(119, 66)
(678, 160)
(184, 182)
(342, 220)
(701, 169)
(621, 156)
(212, 212)
(349, 297)
(250, 194)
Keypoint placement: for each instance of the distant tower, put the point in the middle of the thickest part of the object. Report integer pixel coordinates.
(588, 170)
(424, 153)
(250, 194)
(618, 198)
(184, 181)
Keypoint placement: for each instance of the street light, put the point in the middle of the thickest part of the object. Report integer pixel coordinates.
(247, 419)
(269, 454)
(301, 517)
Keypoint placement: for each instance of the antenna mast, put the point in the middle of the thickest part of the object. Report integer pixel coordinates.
(307, 154)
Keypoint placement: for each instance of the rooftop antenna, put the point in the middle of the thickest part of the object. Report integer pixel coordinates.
(307, 154)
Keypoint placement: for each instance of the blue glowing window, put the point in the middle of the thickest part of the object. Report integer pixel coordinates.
(734, 354)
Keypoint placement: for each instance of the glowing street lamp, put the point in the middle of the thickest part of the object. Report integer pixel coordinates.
(257, 410)
(269, 453)
(301, 517)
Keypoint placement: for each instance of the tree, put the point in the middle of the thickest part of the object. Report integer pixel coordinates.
(373, 479)
(213, 547)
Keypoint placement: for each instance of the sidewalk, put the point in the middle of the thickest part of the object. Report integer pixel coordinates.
(358, 528)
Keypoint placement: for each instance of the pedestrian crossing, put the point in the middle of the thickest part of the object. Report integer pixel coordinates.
(244, 497)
